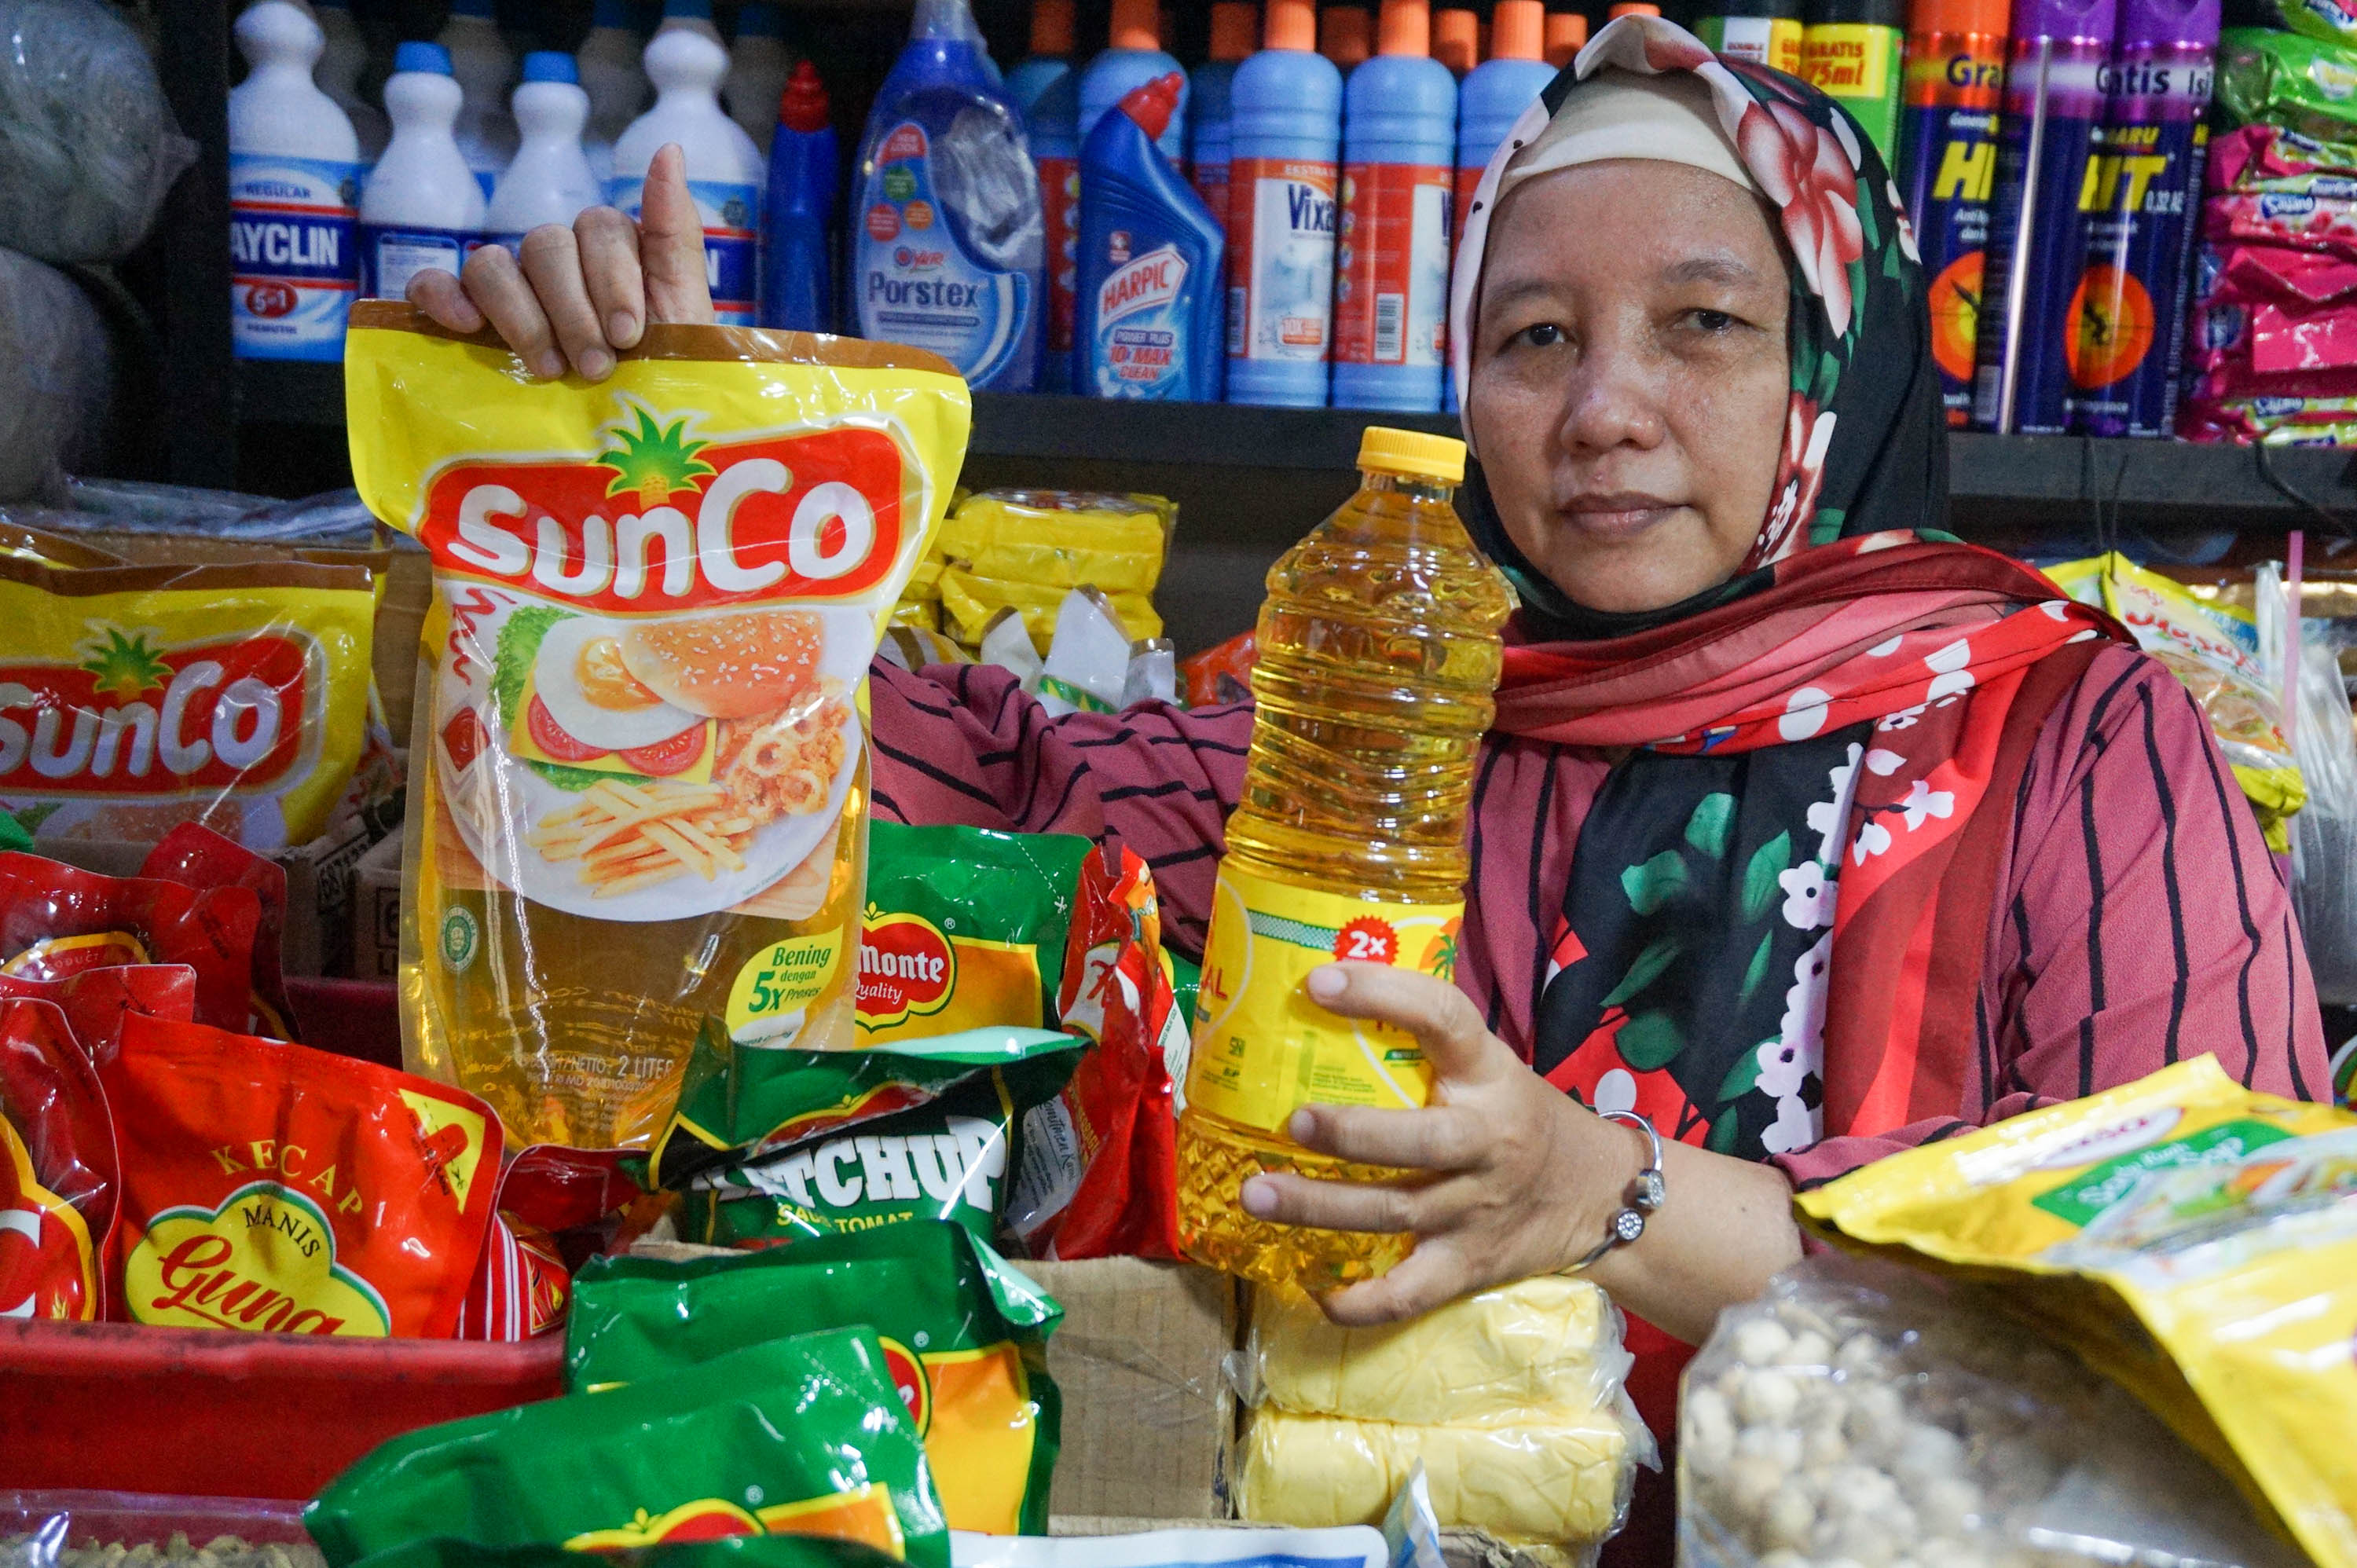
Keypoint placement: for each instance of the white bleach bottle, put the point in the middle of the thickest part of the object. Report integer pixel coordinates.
(338, 75)
(723, 175)
(549, 180)
(421, 206)
(484, 65)
(294, 172)
(612, 77)
(695, 16)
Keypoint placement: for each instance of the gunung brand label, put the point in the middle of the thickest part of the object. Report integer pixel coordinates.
(1281, 260)
(1265, 940)
(1390, 269)
(915, 284)
(732, 241)
(293, 263)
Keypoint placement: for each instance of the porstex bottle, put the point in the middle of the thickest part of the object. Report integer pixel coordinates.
(1853, 52)
(2143, 198)
(1947, 171)
(1285, 138)
(2038, 239)
(1765, 32)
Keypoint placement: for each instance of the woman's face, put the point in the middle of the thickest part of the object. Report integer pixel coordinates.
(1631, 377)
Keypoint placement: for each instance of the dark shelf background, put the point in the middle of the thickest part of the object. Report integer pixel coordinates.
(1250, 481)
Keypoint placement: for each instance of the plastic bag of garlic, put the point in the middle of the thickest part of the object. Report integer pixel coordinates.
(1860, 1415)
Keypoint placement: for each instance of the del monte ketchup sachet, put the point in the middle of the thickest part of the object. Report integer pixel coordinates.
(639, 786)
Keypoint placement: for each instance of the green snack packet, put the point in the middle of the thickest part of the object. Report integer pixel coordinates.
(776, 1145)
(964, 929)
(2326, 19)
(965, 1336)
(728, 1551)
(798, 1436)
(2307, 83)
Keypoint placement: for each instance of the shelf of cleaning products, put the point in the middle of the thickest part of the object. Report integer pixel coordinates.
(2055, 477)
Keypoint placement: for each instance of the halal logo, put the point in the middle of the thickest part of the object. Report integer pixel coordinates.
(460, 939)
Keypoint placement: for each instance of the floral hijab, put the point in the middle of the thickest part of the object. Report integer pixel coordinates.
(1865, 442)
(1779, 899)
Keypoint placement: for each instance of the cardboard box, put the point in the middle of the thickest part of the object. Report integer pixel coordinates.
(376, 911)
(1150, 1420)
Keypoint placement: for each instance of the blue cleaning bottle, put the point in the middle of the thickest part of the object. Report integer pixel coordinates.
(949, 252)
(1210, 93)
(1047, 88)
(1134, 57)
(1391, 260)
(1285, 116)
(798, 250)
(1489, 99)
(1152, 310)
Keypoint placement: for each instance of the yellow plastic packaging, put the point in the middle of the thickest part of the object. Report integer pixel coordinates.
(2193, 1239)
(2213, 647)
(968, 603)
(136, 698)
(1060, 539)
(639, 784)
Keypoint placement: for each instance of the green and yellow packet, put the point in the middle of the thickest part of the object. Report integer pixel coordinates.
(963, 1334)
(799, 1436)
(964, 929)
(2304, 79)
(778, 1145)
(2191, 1239)
(727, 1552)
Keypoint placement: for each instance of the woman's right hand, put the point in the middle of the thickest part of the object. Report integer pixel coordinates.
(580, 294)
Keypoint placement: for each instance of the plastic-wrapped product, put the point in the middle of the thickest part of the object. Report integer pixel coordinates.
(2284, 79)
(1511, 1398)
(1353, 1546)
(2324, 834)
(2193, 1239)
(58, 1181)
(55, 369)
(1859, 1412)
(87, 138)
(98, 1529)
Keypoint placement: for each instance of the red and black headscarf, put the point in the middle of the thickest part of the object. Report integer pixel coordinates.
(1778, 906)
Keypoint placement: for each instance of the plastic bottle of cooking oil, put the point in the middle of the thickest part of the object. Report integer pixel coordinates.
(1379, 654)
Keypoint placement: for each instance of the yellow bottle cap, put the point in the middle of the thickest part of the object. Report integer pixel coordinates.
(1412, 452)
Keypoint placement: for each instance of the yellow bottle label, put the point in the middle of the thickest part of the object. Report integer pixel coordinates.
(1850, 60)
(1263, 1048)
(777, 985)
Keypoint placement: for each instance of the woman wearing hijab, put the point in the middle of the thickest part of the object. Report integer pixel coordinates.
(1807, 834)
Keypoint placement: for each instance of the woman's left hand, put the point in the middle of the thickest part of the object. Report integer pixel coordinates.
(1522, 1177)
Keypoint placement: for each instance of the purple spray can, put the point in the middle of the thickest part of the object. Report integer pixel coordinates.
(2142, 198)
(2038, 237)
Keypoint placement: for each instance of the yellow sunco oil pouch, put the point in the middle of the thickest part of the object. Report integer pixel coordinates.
(641, 780)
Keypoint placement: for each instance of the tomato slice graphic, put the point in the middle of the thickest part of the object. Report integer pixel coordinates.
(666, 757)
(550, 736)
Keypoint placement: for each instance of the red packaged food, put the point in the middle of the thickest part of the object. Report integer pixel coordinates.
(1099, 1173)
(59, 1192)
(195, 856)
(57, 919)
(95, 1001)
(278, 1188)
(1221, 674)
(523, 1284)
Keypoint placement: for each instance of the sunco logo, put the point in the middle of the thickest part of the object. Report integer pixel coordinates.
(661, 517)
(129, 716)
(907, 969)
(867, 1168)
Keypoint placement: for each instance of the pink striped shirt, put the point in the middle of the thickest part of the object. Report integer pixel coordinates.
(2142, 920)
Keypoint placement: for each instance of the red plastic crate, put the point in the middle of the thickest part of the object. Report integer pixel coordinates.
(201, 1412)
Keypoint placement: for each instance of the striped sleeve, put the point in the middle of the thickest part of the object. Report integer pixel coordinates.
(2142, 922)
(964, 745)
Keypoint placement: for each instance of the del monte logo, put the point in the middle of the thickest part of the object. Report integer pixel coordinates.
(907, 969)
